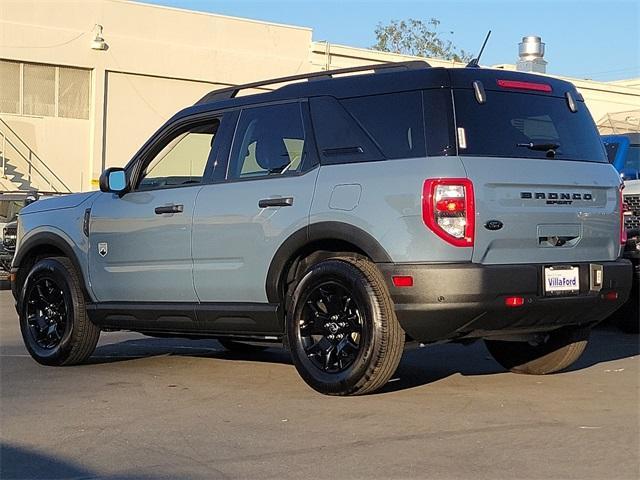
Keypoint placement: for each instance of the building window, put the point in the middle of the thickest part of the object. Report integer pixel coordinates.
(39, 90)
(44, 90)
(73, 93)
(10, 91)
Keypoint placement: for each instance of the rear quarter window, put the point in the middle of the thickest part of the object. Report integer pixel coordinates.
(508, 121)
(393, 121)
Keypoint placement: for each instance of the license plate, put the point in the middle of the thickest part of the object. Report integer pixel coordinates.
(560, 280)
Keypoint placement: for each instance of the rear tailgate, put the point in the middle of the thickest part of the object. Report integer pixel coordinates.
(551, 211)
(539, 169)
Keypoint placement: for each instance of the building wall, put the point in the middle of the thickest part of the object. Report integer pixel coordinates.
(162, 59)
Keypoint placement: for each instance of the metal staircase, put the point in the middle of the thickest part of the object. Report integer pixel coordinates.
(21, 168)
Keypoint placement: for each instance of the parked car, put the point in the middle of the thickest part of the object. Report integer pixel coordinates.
(10, 204)
(343, 217)
(628, 317)
(623, 151)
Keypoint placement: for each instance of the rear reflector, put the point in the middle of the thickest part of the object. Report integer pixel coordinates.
(537, 87)
(611, 296)
(402, 280)
(514, 301)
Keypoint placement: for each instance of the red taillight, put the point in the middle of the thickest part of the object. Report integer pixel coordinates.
(402, 280)
(623, 230)
(450, 205)
(448, 209)
(538, 87)
(514, 301)
(611, 296)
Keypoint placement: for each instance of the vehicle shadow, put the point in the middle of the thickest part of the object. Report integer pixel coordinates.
(430, 364)
(19, 462)
(418, 367)
(153, 347)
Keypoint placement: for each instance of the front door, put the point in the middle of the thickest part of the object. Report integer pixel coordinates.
(140, 242)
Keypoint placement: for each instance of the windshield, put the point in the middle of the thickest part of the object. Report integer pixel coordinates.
(523, 125)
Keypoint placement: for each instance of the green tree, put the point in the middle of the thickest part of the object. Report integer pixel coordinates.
(415, 37)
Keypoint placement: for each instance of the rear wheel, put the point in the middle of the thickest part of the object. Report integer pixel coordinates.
(53, 319)
(551, 353)
(342, 330)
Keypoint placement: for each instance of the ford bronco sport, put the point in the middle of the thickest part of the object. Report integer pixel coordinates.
(343, 217)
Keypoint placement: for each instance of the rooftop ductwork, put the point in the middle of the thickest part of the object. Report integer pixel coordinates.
(531, 53)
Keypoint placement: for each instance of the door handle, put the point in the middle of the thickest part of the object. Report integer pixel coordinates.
(275, 202)
(169, 209)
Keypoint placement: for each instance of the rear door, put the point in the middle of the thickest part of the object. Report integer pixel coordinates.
(240, 222)
(545, 192)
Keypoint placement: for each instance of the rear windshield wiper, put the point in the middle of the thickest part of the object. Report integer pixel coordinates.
(540, 147)
(550, 148)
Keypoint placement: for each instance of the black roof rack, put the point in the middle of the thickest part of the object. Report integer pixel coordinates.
(231, 92)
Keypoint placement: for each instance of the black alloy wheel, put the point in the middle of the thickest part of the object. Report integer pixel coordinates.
(46, 312)
(342, 330)
(53, 316)
(331, 327)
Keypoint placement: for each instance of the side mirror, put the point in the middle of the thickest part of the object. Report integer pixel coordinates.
(114, 180)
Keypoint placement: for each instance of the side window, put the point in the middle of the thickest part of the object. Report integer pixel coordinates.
(394, 121)
(269, 140)
(182, 160)
(340, 139)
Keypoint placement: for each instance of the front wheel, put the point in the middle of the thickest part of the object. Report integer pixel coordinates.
(551, 353)
(53, 319)
(342, 330)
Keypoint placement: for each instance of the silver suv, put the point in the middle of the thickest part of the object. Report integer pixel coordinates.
(343, 217)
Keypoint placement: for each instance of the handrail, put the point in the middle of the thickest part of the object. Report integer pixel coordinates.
(29, 160)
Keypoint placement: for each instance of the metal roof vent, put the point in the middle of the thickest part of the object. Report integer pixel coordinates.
(531, 53)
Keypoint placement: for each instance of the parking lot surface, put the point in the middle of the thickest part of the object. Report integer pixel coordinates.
(150, 408)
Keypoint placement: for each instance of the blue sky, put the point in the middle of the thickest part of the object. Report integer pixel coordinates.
(585, 39)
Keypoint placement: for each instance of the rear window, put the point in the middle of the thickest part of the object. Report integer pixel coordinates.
(516, 125)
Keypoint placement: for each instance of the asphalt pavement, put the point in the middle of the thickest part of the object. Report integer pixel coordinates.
(146, 408)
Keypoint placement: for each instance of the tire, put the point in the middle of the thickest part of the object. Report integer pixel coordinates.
(342, 330)
(240, 347)
(560, 349)
(52, 300)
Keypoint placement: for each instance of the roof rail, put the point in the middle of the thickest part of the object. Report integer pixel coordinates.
(231, 92)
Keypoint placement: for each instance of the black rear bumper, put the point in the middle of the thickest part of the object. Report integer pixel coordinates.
(468, 300)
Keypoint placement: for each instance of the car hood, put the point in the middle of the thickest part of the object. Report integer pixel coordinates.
(57, 203)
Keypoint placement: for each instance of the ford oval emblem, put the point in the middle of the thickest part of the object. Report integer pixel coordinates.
(493, 225)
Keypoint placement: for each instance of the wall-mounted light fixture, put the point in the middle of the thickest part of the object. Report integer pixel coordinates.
(98, 42)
